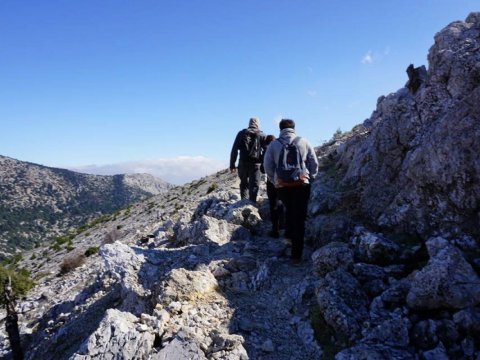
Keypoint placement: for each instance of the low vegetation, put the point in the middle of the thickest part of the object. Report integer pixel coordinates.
(21, 281)
(91, 251)
(71, 262)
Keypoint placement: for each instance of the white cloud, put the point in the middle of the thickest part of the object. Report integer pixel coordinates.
(177, 170)
(367, 58)
(312, 93)
(386, 52)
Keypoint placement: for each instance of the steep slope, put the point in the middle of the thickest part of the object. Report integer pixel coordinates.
(37, 202)
(396, 213)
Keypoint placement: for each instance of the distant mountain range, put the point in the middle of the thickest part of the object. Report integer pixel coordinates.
(38, 202)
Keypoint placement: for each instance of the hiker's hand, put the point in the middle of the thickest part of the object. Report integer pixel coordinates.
(233, 170)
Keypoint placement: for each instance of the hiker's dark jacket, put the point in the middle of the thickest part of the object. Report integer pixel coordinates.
(238, 145)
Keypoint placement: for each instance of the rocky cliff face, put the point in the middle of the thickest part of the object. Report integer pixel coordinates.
(416, 169)
(399, 198)
(37, 202)
(391, 270)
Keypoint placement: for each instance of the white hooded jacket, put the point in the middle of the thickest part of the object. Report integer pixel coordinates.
(271, 159)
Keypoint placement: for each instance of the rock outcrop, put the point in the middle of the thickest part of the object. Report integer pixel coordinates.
(396, 215)
(412, 166)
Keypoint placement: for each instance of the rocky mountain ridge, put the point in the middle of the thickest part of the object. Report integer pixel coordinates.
(38, 202)
(387, 274)
(417, 170)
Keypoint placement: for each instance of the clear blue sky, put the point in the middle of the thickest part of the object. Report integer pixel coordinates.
(103, 82)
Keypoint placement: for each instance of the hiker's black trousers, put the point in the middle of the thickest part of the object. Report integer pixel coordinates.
(276, 207)
(295, 200)
(250, 176)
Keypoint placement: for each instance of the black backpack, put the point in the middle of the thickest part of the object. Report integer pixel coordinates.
(252, 145)
(290, 168)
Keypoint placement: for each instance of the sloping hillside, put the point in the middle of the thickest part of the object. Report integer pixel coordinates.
(37, 202)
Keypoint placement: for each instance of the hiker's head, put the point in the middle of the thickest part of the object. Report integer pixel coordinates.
(287, 124)
(254, 122)
(269, 139)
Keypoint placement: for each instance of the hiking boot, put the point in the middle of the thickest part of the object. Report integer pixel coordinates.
(274, 234)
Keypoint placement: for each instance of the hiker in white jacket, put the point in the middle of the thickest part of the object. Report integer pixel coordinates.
(291, 164)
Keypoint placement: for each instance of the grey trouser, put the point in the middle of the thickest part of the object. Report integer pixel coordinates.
(250, 176)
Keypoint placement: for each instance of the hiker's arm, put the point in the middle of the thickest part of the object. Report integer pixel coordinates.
(234, 153)
(312, 161)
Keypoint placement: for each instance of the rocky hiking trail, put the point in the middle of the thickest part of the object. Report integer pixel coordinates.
(202, 283)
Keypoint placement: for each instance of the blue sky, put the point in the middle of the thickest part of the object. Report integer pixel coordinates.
(164, 86)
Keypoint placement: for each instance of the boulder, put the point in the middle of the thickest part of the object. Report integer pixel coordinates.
(184, 285)
(373, 248)
(392, 332)
(447, 281)
(393, 298)
(424, 334)
(367, 272)
(373, 352)
(122, 263)
(333, 256)
(468, 320)
(439, 353)
(246, 215)
(180, 349)
(342, 303)
(117, 334)
(208, 230)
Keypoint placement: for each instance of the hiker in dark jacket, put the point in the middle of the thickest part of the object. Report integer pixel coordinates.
(276, 207)
(249, 142)
(293, 188)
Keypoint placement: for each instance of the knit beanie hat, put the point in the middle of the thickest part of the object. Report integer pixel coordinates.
(254, 122)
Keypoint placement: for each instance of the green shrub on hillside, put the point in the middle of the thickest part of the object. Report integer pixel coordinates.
(91, 251)
(71, 262)
(21, 281)
(212, 187)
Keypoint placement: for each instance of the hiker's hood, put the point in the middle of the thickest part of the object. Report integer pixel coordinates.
(287, 135)
(254, 123)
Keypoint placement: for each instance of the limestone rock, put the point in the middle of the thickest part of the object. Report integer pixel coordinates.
(373, 352)
(415, 167)
(183, 284)
(447, 281)
(332, 256)
(392, 332)
(374, 248)
(342, 302)
(208, 229)
(180, 349)
(116, 335)
(439, 353)
(122, 263)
